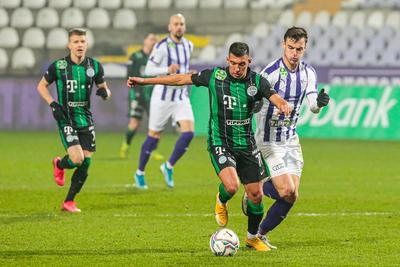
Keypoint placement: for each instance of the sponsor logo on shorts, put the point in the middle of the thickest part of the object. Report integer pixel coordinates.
(77, 104)
(238, 122)
(232, 160)
(278, 167)
(222, 160)
(71, 138)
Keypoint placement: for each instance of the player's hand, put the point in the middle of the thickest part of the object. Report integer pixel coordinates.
(103, 93)
(322, 98)
(173, 68)
(58, 111)
(132, 81)
(284, 108)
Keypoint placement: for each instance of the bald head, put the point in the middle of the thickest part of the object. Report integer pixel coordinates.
(177, 26)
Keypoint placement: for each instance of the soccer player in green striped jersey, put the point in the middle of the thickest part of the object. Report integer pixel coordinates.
(139, 96)
(234, 92)
(74, 76)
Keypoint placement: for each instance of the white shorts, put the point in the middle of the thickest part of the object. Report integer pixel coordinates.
(162, 110)
(283, 157)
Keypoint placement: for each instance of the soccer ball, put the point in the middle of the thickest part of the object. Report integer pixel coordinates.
(224, 242)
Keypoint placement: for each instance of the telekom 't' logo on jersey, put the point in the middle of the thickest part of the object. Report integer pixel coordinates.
(229, 101)
(72, 85)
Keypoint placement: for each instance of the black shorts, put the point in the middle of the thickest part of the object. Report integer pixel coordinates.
(85, 137)
(137, 104)
(249, 164)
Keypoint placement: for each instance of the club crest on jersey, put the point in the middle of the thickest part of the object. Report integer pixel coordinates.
(62, 64)
(90, 72)
(220, 75)
(283, 72)
(171, 45)
(252, 90)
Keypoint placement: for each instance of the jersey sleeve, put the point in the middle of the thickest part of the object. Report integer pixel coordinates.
(50, 75)
(311, 89)
(99, 78)
(153, 66)
(202, 78)
(265, 87)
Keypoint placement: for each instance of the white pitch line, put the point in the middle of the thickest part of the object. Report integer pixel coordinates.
(174, 215)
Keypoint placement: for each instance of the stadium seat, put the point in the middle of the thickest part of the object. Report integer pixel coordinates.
(208, 54)
(393, 19)
(85, 4)
(23, 58)
(367, 32)
(233, 37)
(4, 19)
(107, 4)
(10, 3)
(72, 17)
(357, 19)
(315, 32)
(257, 4)
(210, 3)
(359, 43)
(47, 18)
(134, 4)
(377, 44)
(33, 38)
(159, 3)
(235, 3)
(34, 4)
(98, 18)
(304, 19)
(389, 58)
(352, 4)
(21, 18)
(252, 41)
(3, 59)
(323, 43)
(375, 19)
(314, 56)
(60, 4)
(341, 43)
(186, 4)
(351, 57)
(340, 19)
(386, 32)
(261, 30)
(57, 39)
(124, 19)
(368, 58)
(322, 19)
(9, 37)
(350, 32)
(286, 19)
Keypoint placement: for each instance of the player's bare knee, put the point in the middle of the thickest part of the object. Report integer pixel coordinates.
(232, 188)
(255, 197)
(77, 160)
(286, 193)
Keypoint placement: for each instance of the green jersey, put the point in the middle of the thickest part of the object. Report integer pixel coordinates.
(136, 67)
(232, 103)
(74, 86)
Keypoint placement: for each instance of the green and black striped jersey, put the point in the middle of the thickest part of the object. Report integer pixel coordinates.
(74, 86)
(232, 103)
(136, 67)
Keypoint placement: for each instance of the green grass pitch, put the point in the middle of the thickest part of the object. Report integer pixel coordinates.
(347, 213)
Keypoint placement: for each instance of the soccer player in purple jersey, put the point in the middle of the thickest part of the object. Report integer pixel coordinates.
(171, 55)
(276, 135)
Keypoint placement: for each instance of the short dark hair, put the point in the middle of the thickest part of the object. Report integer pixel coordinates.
(76, 31)
(296, 33)
(239, 49)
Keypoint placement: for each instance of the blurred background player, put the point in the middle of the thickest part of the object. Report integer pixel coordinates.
(74, 76)
(276, 134)
(170, 56)
(139, 96)
(234, 92)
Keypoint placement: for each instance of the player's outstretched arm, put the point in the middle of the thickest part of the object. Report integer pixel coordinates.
(280, 103)
(43, 89)
(177, 79)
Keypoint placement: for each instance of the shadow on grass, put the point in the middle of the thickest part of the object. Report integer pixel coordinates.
(93, 252)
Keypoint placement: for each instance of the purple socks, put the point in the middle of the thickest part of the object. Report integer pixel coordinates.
(181, 146)
(148, 146)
